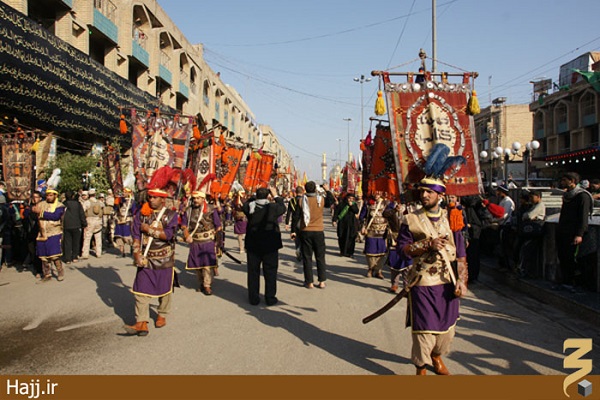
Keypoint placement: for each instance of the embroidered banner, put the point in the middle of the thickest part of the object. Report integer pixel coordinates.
(111, 160)
(367, 156)
(17, 164)
(258, 172)
(382, 172)
(227, 162)
(423, 114)
(202, 164)
(158, 140)
(350, 179)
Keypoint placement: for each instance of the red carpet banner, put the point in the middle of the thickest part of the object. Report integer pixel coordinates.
(17, 164)
(227, 162)
(350, 179)
(382, 175)
(112, 165)
(423, 114)
(258, 172)
(158, 141)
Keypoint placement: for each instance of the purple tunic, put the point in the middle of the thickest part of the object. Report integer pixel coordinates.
(375, 246)
(52, 246)
(202, 254)
(239, 227)
(431, 309)
(155, 282)
(122, 230)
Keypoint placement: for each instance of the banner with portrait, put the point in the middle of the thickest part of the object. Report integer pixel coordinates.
(424, 114)
(17, 164)
(158, 140)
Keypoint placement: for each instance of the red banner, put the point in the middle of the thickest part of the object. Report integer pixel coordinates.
(227, 162)
(17, 164)
(350, 179)
(258, 172)
(382, 171)
(427, 113)
(158, 140)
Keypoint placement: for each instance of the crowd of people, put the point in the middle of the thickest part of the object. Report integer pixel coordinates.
(431, 246)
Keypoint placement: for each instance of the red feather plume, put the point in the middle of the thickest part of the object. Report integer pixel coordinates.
(189, 177)
(160, 178)
(207, 178)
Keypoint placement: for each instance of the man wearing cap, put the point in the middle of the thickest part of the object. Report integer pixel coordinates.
(374, 228)
(93, 214)
(153, 231)
(49, 239)
(123, 217)
(263, 241)
(201, 223)
(427, 245)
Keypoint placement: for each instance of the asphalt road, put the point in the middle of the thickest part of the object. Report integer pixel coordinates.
(75, 326)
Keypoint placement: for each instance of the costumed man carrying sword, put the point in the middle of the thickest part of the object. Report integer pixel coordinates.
(154, 228)
(427, 244)
(201, 223)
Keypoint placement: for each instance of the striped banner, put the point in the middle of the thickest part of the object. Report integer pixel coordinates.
(226, 163)
(258, 172)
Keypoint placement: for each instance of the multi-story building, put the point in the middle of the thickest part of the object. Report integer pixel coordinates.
(501, 125)
(120, 54)
(565, 121)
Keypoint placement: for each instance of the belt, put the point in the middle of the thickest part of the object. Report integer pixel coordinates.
(204, 236)
(160, 253)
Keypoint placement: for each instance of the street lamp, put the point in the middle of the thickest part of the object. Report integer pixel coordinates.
(493, 155)
(362, 80)
(530, 147)
(348, 120)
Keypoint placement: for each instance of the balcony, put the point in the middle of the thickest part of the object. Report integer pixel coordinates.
(139, 53)
(183, 89)
(104, 15)
(165, 74)
(589, 119)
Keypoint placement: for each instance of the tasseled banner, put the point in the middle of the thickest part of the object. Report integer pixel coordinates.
(379, 104)
(36, 146)
(196, 131)
(473, 104)
(123, 124)
(455, 217)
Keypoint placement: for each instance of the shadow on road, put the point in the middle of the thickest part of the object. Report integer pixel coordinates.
(361, 354)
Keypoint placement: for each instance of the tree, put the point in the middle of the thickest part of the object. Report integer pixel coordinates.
(73, 167)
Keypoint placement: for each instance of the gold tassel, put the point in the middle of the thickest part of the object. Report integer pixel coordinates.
(473, 104)
(379, 104)
(36, 146)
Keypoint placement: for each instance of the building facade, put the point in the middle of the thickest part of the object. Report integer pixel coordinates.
(565, 121)
(141, 50)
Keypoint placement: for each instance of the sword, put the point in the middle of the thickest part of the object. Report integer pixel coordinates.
(232, 257)
(403, 293)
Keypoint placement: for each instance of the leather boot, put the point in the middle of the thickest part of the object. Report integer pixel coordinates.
(438, 365)
(60, 270)
(160, 321)
(422, 370)
(140, 328)
(207, 290)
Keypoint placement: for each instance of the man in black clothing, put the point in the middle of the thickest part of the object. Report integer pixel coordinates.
(344, 217)
(292, 220)
(572, 224)
(263, 241)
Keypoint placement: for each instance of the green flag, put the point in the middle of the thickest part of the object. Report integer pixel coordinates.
(591, 77)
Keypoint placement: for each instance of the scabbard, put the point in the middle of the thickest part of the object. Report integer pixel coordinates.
(403, 293)
(232, 257)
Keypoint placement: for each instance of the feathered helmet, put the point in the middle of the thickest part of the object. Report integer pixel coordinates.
(165, 181)
(203, 186)
(439, 168)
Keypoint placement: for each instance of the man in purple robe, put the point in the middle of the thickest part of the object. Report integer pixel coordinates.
(427, 244)
(201, 224)
(49, 239)
(154, 228)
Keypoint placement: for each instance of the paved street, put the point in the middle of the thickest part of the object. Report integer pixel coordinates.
(75, 326)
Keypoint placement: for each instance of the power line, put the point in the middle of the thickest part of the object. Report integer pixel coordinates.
(401, 34)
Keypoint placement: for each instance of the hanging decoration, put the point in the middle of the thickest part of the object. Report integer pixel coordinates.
(17, 163)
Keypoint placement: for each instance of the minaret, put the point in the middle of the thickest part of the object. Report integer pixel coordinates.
(324, 168)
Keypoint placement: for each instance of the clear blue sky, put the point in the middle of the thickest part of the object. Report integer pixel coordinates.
(294, 62)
